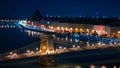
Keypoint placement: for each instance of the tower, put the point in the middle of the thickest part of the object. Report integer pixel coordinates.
(46, 49)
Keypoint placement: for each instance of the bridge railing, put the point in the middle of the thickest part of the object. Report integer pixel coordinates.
(34, 47)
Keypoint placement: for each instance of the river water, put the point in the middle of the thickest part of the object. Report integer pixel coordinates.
(15, 37)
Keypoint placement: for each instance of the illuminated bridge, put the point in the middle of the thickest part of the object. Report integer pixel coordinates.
(45, 48)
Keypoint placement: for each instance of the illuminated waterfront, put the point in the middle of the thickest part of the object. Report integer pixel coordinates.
(11, 37)
(33, 36)
(60, 34)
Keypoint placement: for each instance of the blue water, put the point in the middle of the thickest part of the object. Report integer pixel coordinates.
(14, 38)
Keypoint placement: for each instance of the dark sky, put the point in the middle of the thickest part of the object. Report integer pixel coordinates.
(60, 7)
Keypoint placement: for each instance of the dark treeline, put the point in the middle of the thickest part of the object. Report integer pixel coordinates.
(112, 21)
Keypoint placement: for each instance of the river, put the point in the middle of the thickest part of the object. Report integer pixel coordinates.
(15, 37)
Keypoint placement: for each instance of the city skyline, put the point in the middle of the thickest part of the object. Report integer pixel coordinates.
(24, 8)
(59, 34)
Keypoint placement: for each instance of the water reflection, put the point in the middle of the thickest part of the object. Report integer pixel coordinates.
(66, 42)
(7, 25)
(31, 33)
(62, 43)
(86, 42)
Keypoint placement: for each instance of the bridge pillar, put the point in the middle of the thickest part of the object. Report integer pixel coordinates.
(46, 49)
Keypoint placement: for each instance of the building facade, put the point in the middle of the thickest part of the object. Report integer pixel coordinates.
(89, 28)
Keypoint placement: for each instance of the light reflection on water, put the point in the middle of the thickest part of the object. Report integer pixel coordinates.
(12, 37)
(74, 42)
(68, 42)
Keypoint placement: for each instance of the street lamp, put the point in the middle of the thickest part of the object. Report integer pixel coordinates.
(62, 28)
(37, 49)
(11, 53)
(76, 29)
(71, 29)
(73, 46)
(87, 30)
(93, 31)
(81, 30)
(58, 28)
(66, 28)
(60, 47)
(51, 27)
(28, 51)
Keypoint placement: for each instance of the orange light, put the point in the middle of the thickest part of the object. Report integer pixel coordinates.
(58, 28)
(62, 28)
(87, 30)
(92, 66)
(66, 28)
(51, 27)
(44, 47)
(81, 29)
(118, 32)
(103, 66)
(76, 29)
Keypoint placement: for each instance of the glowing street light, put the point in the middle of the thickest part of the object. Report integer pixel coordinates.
(114, 67)
(15, 55)
(81, 30)
(71, 29)
(58, 38)
(88, 44)
(44, 47)
(58, 28)
(28, 51)
(60, 47)
(51, 27)
(92, 66)
(66, 38)
(78, 46)
(62, 28)
(66, 28)
(99, 43)
(118, 32)
(103, 66)
(87, 30)
(64, 48)
(103, 31)
(93, 31)
(31, 52)
(11, 53)
(56, 50)
(76, 29)
(61, 38)
(73, 46)
(37, 49)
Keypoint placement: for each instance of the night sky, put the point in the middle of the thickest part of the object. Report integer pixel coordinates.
(23, 8)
